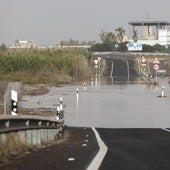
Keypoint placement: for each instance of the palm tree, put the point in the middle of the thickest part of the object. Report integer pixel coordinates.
(120, 34)
(135, 36)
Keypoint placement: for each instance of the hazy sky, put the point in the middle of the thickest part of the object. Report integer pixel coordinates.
(50, 21)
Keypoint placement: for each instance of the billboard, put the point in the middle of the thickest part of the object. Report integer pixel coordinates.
(132, 46)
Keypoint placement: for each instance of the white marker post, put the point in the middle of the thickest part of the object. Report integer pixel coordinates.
(61, 104)
(84, 85)
(14, 100)
(92, 82)
(77, 96)
(163, 91)
(58, 113)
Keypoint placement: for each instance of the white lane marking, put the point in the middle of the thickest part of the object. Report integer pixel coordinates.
(96, 162)
(84, 144)
(165, 129)
(71, 159)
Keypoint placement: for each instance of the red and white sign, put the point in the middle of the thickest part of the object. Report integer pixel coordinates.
(156, 66)
(156, 61)
(99, 58)
(96, 61)
(143, 60)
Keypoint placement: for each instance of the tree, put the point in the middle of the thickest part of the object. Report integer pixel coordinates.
(159, 48)
(110, 38)
(101, 47)
(107, 38)
(120, 34)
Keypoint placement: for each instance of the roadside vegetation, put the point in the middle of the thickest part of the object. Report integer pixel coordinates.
(64, 65)
(48, 66)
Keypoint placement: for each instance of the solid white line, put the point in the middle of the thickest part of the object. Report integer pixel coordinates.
(165, 129)
(96, 162)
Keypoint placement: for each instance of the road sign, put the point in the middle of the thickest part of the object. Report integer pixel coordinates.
(99, 58)
(134, 46)
(156, 61)
(166, 46)
(143, 59)
(96, 61)
(156, 66)
(116, 46)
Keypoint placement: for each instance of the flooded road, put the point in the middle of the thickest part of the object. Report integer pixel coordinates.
(109, 105)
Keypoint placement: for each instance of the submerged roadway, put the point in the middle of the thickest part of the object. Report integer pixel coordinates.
(109, 126)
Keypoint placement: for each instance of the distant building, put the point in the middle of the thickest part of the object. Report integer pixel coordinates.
(154, 32)
(22, 44)
(164, 35)
(148, 31)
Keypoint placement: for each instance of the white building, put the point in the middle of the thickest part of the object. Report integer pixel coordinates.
(164, 36)
(154, 32)
(22, 44)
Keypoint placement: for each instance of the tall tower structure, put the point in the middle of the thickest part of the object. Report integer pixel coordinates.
(148, 31)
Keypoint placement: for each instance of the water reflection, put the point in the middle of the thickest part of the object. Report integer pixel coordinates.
(118, 80)
(116, 103)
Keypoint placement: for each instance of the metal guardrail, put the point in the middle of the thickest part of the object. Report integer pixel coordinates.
(9, 124)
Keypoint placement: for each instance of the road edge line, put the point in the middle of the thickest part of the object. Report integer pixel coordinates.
(96, 162)
(167, 130)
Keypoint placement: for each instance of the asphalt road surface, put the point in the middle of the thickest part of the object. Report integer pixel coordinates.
(136, 149)
(128, 149)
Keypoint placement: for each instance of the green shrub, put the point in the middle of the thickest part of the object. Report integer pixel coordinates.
(44, 66)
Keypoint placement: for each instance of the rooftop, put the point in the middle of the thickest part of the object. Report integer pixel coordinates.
(149, 23)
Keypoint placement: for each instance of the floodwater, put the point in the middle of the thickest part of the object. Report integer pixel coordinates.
(109, 104)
